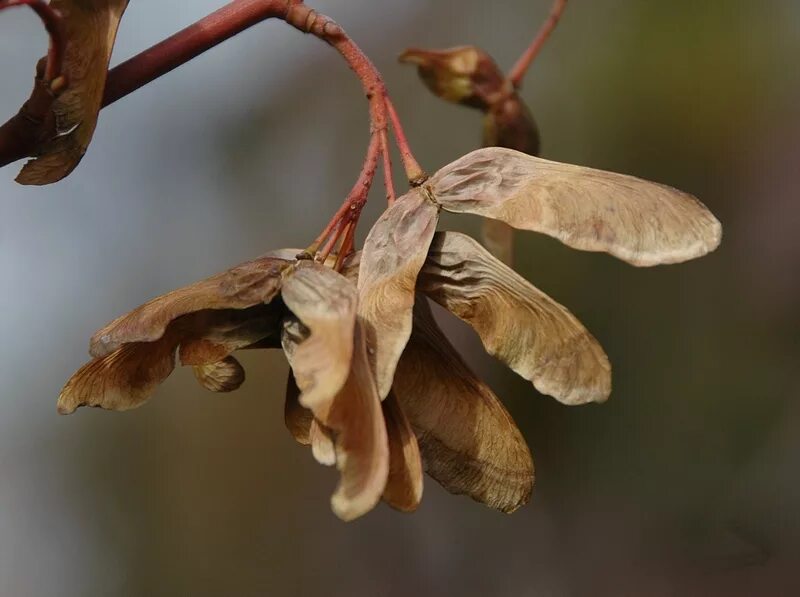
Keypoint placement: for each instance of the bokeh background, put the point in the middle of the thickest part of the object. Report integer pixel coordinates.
(684, 483)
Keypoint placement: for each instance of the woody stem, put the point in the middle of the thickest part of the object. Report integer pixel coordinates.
(206, 33)
(517, 72)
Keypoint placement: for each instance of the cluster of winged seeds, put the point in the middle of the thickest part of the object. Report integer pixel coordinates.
(375, 387)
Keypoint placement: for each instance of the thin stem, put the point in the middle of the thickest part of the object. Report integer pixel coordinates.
(517, 73)
(416, 175)
(322, 256)
(18, 137)
(388, 180)
(346, 247)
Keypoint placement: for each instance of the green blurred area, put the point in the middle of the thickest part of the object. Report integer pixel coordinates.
(684, 483)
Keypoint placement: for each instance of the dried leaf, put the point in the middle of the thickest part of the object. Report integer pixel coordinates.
(247, 285)
(121, 380)
(223, 376)
(404, 486)
(325, 303)
(297, 417)
(469, 442)
(323, 447)
(393, 253)
(90, 31)
(640, 222)
(211, 335)
(362, 450)
(519, 324)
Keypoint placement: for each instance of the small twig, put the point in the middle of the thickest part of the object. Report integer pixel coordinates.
(517, 73)
(215, 28)
(388, 180)
(346, 246)
(416, 175)
(322, 255)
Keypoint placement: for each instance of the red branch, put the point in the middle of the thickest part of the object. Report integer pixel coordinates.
(223, 24)
(189, 43)
(520, 68)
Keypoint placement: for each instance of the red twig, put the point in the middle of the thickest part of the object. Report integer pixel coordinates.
(520, 68)
(388, 180)
(224, 23)
(416, 175)
(189, 43)
(346, 247)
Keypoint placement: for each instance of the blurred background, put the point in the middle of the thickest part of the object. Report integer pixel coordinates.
(684, 483)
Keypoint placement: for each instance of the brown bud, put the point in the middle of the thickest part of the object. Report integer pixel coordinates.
(463, 75)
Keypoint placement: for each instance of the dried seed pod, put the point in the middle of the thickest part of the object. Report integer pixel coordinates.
(404, 486)
(393, 253)
(247, 285)
(90, 32)
(223, 376)
(325, 303)
(520, 325)
(204, 322)
(362, 449)
(507, 123)
(323, 446)
(469, 76)
(122, 379)
(469, 442)
(641, 222)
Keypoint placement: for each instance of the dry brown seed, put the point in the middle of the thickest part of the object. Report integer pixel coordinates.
(362, 449)
(507, 123)
(205, 322)
(325, 303)
(523, 327)
(323, 447)
(641, 222)
(464, 75)
(393, 253)
(247, 285)
(90, 31)
(223, 376)
(404, 486)
(469, 442)
(123, 379)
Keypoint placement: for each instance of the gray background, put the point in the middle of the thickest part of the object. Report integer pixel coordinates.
(685, 482)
